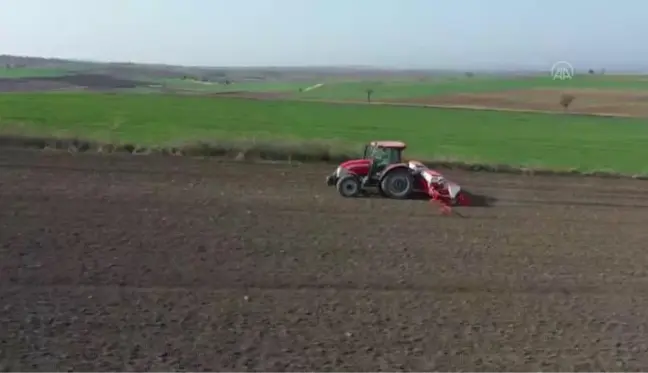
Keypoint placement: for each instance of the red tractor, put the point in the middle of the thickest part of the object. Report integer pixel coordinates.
(383, 169)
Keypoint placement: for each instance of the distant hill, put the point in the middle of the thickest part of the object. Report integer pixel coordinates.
(25, 73)
(126, 70)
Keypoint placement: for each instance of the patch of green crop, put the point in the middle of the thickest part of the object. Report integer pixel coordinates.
(408, 88)
(251, 86)
(8, 73)
(539, 140)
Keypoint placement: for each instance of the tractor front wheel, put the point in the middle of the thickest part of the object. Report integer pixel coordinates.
(348, 186)
(397, 184)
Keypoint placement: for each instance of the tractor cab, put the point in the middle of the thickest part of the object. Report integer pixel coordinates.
(390, 150)
(382, 154)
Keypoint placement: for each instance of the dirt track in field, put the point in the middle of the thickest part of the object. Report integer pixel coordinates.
(144, 263)
(587, 101)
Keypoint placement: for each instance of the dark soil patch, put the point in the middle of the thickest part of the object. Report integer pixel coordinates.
(77, 81)
(98, 81)
(151, 263)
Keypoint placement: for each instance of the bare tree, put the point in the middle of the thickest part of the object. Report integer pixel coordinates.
(566, 99)
(369, 94)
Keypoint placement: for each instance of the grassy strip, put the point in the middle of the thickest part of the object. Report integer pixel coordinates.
(534, 141)
(17, 73)
(476, 107)
(409, 88)
(308, 151)
(316, 152)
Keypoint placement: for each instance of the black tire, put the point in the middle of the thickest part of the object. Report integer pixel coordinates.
(349, 186)
(397, 184)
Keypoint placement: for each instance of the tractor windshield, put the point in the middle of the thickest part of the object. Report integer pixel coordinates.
(384, 155)
(394, 155)
(381, 157)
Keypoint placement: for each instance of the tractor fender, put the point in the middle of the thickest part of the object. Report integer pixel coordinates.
(400, 168)
(393, 167)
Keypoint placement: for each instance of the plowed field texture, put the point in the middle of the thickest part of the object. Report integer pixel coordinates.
(172, 263)
(582, 142)
(124, 262)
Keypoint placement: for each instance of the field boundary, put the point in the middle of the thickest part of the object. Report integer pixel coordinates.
(473, 107)
(247, 95)
(276, 152)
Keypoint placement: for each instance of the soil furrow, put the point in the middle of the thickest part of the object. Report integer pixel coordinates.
(172, 263)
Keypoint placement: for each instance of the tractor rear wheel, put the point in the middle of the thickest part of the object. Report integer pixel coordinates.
(348, 186)
(397, 184)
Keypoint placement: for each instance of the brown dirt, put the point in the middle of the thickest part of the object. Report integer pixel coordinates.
(588, 101)
(171, 263)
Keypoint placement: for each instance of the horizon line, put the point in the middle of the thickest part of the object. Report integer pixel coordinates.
(314, 66)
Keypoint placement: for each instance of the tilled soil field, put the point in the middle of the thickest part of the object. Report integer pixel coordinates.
(152, 263)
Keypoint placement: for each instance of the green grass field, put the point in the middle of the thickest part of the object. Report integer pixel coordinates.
(261, 86)
(30, 73)
(402, 89)
(336, 89)
(535, 140)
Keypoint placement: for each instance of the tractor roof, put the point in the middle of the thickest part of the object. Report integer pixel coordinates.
(389, 144)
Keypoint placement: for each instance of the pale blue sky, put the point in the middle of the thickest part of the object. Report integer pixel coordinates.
(389, 33)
